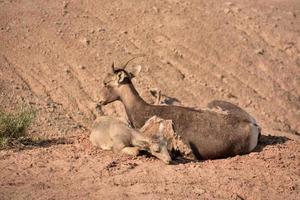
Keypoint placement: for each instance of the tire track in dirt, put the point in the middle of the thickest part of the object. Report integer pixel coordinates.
(263, 91)
(249, 83)
(203, 69)
(251, 34)
(12, 69)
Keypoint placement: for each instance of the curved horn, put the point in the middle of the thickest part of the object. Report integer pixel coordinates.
(125, 65)
(113, 67)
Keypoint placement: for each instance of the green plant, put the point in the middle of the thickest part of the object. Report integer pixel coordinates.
(14, 125)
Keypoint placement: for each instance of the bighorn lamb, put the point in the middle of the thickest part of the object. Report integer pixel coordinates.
(110, 133)
(210, 133)
(175, 144)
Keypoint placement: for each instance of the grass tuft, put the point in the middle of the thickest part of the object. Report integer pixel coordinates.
(14, 125)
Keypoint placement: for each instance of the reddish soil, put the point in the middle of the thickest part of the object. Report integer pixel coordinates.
(54, 55)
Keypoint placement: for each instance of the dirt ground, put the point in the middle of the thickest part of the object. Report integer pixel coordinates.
(54, 55)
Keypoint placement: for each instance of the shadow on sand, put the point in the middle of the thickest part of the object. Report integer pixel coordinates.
(264, 140)
(269, 140)
(30, 143)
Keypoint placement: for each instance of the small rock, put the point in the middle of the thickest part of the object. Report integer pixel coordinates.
(236, 9)
(292, 188)
(227, 10)
(229, 3)
(260, 51)
(101, 29)
(64, 12)
(69, 116)
(249, 103)
(156, 10)
(220, 76)
(231, 96)
(85, 41)
(292, 14)
(65, 4)
(237, 197)
(199, 191)
(81, 67)
(67, 70)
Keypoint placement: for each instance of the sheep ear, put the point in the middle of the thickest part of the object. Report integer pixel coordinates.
(135, 71)
(121, 76)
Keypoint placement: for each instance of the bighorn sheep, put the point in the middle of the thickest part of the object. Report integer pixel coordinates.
(110, 133)
(209, 133)
(175, 144)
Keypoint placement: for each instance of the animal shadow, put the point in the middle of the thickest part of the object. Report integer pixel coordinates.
(264, 140)
(30, 143)
(267, 140)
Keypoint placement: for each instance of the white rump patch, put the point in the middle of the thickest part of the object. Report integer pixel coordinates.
(253, 137)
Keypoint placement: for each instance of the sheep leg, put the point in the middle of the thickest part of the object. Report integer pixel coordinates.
(118, 145)
(133, 151)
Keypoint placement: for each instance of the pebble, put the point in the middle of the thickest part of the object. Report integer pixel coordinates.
(236, 9)
(67, 70)
(229, 3)
(237, 197)
(101, 29)
(220, 76)
(81, 67)
(156, 10)
(199, 191)
(231, 96)
(85, 41)
(292, 14)
(65, 4)
(227, 10)
(260, 51)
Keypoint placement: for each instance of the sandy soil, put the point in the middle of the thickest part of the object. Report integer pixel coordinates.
(54, 55)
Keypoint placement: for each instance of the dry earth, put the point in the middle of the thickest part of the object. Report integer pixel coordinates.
(54, 55)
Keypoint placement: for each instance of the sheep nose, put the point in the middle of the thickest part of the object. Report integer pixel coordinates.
(168, 161)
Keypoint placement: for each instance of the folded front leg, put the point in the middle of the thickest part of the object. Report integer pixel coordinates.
(133, 151)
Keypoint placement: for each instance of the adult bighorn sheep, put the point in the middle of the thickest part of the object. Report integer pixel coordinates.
(109, 133)
(220, 131)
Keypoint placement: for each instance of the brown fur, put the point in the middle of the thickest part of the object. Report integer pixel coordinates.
(210, 134)
(174, 141)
